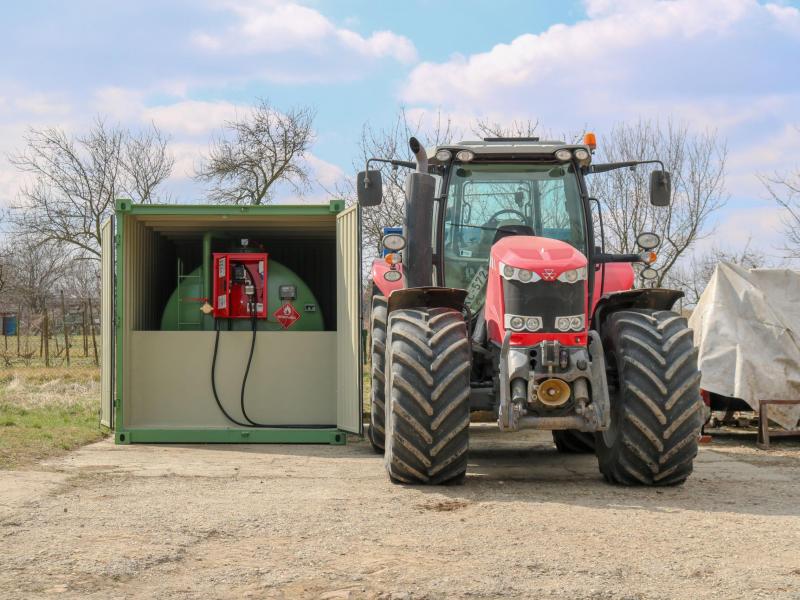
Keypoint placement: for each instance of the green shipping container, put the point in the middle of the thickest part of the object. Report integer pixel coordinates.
(304, 382)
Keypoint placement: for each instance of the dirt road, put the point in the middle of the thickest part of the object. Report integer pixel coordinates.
(324, 522)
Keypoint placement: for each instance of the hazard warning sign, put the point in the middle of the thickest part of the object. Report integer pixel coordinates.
(286, 315)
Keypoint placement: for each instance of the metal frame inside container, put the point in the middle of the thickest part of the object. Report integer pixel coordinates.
(330, 381)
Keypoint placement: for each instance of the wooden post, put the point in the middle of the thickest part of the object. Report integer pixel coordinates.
(64, 325)
(91, 326)
(19, 326)
(85, 337)
(46, 338)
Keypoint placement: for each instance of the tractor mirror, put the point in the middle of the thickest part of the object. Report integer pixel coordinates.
(660, 188)
(370, 188)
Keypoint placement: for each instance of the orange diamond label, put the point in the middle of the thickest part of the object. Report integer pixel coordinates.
(286, 315)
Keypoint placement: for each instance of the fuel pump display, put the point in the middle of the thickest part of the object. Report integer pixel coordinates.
(240, 285)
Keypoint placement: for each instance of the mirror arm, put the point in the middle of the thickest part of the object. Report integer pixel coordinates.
(395, 163)
(618, 258)
(605, 167)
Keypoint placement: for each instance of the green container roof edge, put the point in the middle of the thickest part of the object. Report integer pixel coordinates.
(124, 205)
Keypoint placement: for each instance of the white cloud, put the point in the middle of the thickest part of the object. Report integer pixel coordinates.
(623, 58)
(295, 43)
(327, 174)
(192, 117)
(118, 102)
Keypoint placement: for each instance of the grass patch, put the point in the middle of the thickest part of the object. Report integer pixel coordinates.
(45, 412)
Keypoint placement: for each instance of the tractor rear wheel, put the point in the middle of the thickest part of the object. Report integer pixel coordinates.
(377, 411)
(656, 409)
(427, 390)
(572, 441)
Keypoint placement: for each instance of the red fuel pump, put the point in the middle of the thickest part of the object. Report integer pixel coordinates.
(240, 285)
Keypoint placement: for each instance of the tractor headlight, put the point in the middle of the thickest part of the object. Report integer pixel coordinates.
(581, 154)
(533, 323)
(522, 275)
(394, 242)
(563, 154)
(648, 240)
(392, 276)
(465, 155)
(517, 323)
(573, 275)
(570, 323)
(444, 155)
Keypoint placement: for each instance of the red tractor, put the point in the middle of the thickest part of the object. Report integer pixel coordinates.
(498, 296)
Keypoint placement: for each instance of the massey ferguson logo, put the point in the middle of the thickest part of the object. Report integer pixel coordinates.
(548, 274)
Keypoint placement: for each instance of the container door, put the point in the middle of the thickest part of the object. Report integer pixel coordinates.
(348, 320)
(107, 323)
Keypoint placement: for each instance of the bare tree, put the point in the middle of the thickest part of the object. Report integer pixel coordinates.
(76, 179)
(693, 276)
(516, 128)
(392, 143)
(697, 164)
(5, 267)
(785, 190)
(36, 268)
(257, 151)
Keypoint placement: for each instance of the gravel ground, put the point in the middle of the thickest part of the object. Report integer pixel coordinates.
(324, 522)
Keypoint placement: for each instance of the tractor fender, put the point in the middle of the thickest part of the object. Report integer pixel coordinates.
(427, 297)
(386, 287)
(653, 298)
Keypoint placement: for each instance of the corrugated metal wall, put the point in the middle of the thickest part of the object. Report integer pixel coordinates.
(107, 323)
(149, 275)
(348, 338)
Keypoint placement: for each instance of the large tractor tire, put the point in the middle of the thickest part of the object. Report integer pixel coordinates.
(656, 409)
(572, 441)
(377, 410)
(427, 390)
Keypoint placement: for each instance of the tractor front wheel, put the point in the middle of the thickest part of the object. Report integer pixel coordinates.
(377, 413)
(427, 394)
(654, 388)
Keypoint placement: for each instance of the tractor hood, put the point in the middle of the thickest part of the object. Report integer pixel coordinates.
(546, 257)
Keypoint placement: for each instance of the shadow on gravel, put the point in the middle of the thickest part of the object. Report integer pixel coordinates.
(535, 473)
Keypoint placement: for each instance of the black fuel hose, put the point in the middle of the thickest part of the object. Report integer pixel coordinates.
(250, 422)
(214, 380)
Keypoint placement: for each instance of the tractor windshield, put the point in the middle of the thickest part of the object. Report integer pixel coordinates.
(531, 199)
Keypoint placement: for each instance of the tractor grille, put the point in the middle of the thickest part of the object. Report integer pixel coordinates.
(546, 299)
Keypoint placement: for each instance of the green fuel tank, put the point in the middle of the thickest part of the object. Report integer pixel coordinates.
(182, 312)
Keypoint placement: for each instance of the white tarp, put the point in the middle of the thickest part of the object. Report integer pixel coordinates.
(747, 329)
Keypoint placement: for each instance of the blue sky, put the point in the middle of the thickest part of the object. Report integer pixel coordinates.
(728, 65)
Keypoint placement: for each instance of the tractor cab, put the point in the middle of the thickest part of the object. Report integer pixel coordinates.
(508, 303)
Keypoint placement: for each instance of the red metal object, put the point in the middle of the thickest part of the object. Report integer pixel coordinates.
(618, 277)
(233, 273)
(546, 257)
(378, 272)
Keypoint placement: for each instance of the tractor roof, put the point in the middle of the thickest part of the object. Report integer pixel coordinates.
(514, 148)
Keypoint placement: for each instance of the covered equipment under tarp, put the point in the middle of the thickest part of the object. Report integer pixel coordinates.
(747, 330)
